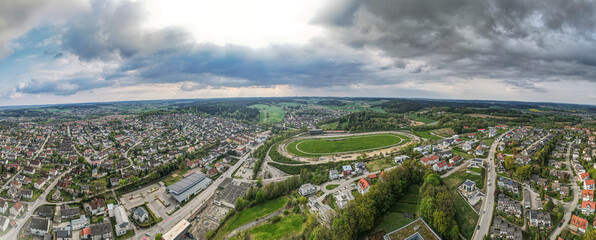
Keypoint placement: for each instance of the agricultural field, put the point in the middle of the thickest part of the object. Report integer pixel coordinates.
(314, 147)
(270, 113)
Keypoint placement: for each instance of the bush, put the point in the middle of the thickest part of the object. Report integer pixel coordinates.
(158, 236)
(296, 209)
(286, 212)
(275, 219)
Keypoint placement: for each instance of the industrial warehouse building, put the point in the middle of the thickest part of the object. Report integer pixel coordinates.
(188, 186)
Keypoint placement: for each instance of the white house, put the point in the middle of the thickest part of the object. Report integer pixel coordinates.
(140, 214)
(334, 174)
(122, 223)
(307, 189)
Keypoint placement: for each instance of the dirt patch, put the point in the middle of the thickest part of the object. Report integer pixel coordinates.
(416, 123)
(444, 132)
(486, 116)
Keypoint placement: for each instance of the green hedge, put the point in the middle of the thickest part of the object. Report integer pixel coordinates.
(295, 169)
(278, 157)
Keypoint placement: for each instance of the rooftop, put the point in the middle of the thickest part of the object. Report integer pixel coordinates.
(418, 229)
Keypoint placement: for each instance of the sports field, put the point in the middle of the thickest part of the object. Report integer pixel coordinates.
(314, 147)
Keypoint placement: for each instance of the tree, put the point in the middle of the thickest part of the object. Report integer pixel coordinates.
(240, 204)
(509, 163)
(260, 196)
(524, 172)
(158, 236)
(590, 235)
(549, 205)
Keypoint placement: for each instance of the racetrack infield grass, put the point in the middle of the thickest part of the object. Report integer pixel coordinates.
(291, 224)
(250, 214)
(315, 147)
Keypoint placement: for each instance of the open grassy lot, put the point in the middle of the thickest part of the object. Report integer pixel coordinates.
(328, 146)
(379, 164)
(425, 120)
(444, 132)
(394, 219)
(465, 216)
(287, 225)
(458, 152)
(426, 134)
(250, 214)
(270, 113)
(329, 126)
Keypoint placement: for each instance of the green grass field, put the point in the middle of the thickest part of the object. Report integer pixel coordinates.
(329, 126)
(425, 120)
(394, 218)
(250, 214)
(328, 146)
(465, 216)
(331, 186)
(379, 164)
(287, 225)
(426, 134)
(276, 113)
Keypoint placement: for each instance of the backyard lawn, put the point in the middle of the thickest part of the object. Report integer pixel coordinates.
(465, 216)
(394, 219)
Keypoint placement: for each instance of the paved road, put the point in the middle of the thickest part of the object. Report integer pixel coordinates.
(456, 168)
(188, 210)
(5, 186)
(486, 211)
(14, 232)
(570, 206)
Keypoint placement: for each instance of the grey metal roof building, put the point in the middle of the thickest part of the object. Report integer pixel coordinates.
(232, 190)
(189, 186)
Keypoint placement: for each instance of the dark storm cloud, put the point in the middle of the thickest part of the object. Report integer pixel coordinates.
(116, 28)
(503, 39)
(242, 66)
(171, 55)
(63, 88)
(519, 42)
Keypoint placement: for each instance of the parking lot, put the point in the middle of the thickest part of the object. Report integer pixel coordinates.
(245, 173)
(151, 194)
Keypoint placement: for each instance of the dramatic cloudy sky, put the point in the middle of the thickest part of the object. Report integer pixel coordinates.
(64, 51)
